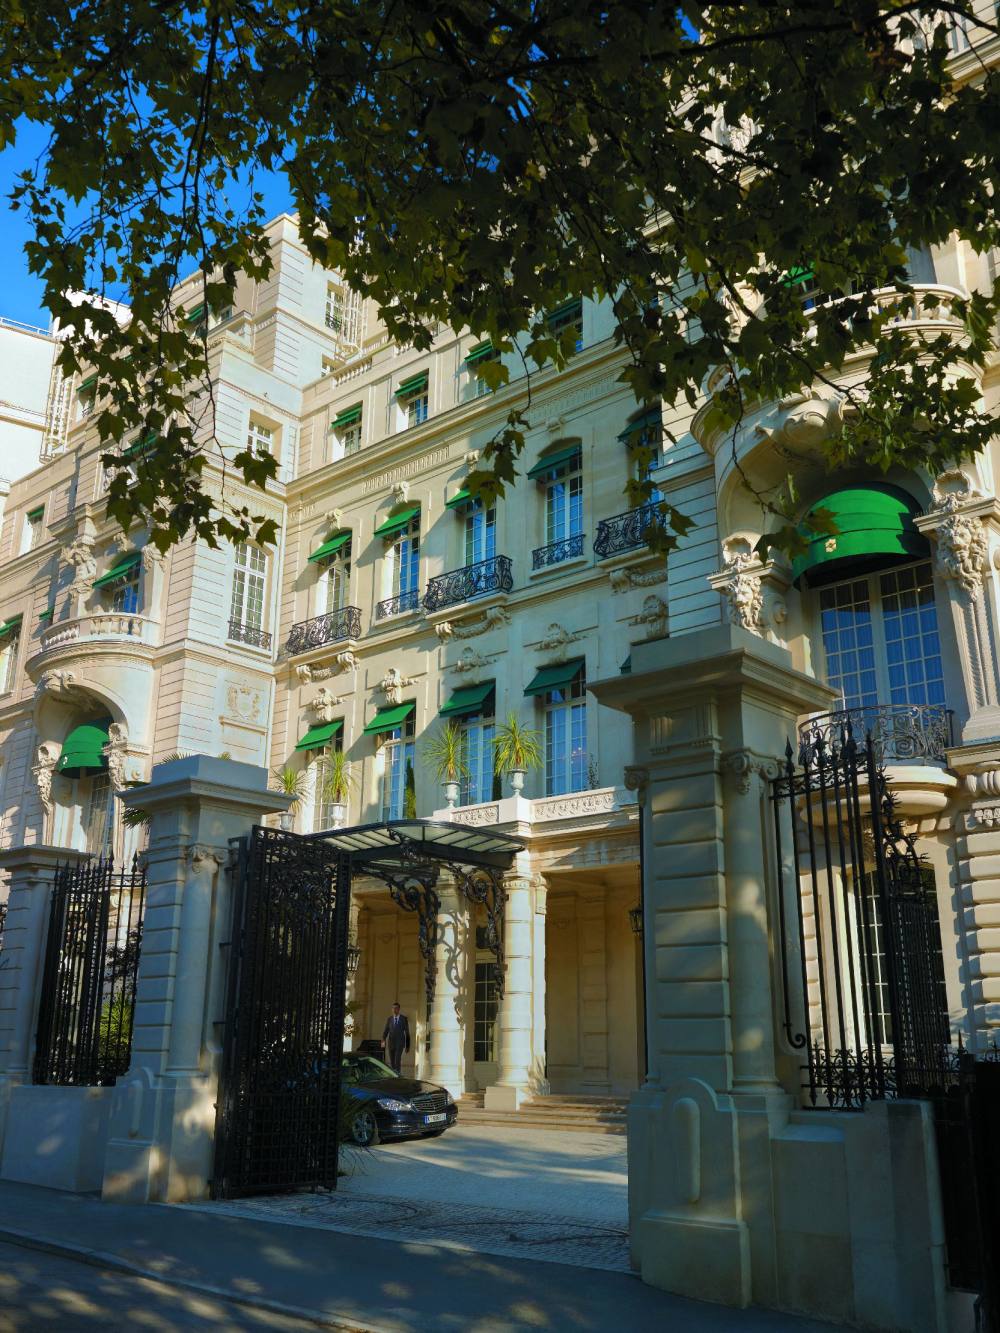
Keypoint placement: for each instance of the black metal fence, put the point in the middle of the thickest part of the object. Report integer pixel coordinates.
(85, 1017)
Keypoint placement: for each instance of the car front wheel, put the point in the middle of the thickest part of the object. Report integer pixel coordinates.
(364, 1130)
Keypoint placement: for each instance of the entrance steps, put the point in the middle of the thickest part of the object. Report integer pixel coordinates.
(574, 1112)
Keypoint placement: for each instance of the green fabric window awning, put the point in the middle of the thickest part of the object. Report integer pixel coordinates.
(316, 737)
(876, 528)
(35, 514)
(83, 748)
(545, 465)
(194, 314)
(469, 700)
(45, 615)
(388, 719)
(397, 522)
(87, 384)
(415, 384)
(556, 677)
(10, 624)
(654, 417)
(120, 571)
(331, 546)
(349, 417)
(141, 446)
(459, 500)
(481, 352)
(797, 277)
(565, 314)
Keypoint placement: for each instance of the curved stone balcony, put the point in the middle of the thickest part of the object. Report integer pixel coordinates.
(97, 631)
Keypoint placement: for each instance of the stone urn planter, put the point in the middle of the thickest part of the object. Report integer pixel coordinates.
(517, 776)
(451, 790)
(338, 813)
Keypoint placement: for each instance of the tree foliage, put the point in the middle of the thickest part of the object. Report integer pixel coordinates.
(477, 163)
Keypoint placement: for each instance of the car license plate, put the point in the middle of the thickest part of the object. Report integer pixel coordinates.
(435, 1119)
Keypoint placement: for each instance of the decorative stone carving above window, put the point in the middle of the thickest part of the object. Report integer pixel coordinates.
(494, 617)
(962, 547)
(555, 643)
(754, 590)
(345, 661)
(393, 684)
(653, 615)
(324, 705)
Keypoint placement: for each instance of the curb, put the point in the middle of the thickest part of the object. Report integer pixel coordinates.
(115, 1264)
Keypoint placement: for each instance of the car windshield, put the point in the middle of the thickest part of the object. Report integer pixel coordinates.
(367, 1069)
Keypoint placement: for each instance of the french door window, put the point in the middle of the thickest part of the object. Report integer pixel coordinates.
(566, 738)
(564, 502)
(9, 644)
(480, 534)
(396, 773)
(260, 439)
(98, 816)
(333, 589)
(404, 563)
(322, 800)
(415, 408)
(477, 753)
(487, 1007)
(125, 594)
(249, 582)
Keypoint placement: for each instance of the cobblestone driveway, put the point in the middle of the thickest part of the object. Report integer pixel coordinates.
(531, 1194)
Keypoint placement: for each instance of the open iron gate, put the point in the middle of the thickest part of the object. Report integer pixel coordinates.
(279, 1088)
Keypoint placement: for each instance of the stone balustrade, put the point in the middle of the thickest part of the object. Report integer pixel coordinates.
(543, 809)
(124, 626)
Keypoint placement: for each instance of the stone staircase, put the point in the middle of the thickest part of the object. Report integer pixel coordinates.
(575, 1112)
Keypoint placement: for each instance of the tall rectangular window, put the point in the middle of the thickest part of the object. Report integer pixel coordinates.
(404, 557)
(249, 584)
(334, 309)
(34, 526)
(9, 644)
(396, 772)
(568, 316)
(260, 439)
(322, 796)
(477, 753)
(487, 1006)
(126, 593)
(566, 738)
(416, 408)
(98, 816)
(334, 587)
(564, 501)
(480, 534)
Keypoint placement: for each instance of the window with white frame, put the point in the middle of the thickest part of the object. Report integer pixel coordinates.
(480, 356)
(412, 401)
(334, 308)
(260, 438)
(881, 640)
(86, 397)
(480, 533)
(568, 316)
(479, 782)
(34, 527)
(345, 432)
(246, 608)
(333, 590)
(564, 500)
(486, 1010)
(416, 408)
(394, 761)
(644, 439)
(10, 642)
(98, 814)
(126, 592)
(566, 768)
(403, 557)
(323, 801)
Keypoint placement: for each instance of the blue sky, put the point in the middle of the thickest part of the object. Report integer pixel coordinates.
(21, 293)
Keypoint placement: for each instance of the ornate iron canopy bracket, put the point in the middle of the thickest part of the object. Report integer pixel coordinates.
(413, 888)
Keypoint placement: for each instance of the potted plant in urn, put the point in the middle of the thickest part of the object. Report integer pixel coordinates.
(516, 749)
(293, 782)
(336, 783)
(444, 753)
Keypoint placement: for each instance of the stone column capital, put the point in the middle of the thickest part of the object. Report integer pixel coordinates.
(204, 859)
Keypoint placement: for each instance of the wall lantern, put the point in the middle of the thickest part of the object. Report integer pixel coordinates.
(635, 918)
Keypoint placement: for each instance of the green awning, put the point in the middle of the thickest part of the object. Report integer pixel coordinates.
(12, 623)
(565, 313)
(82, 749)
(654, 417)
(556, 677)
(876, 529)
(148, 441)
(797, 277)
(120, 571)
(388, 719)
(413, 385)
(346, 418)
(46, 615)
(479, 353)
(459, 499)
(35, 514)
(316, 737)
(331, 546)
(88, 383)
(626, 667)
(194, 315)
(471, 699)
(397, 522)
(550, 461)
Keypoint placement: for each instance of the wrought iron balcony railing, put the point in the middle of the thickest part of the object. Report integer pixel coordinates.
(251, 634)
(553, 554)
(624, 532)
(398, 605)
(461, 585)
(901, 733)
(344, 623)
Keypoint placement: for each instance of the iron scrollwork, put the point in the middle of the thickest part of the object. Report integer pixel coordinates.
(251, 634)
(462, 585)
(486, 887)
(556, 552)
(624, 532)
(899, 732)
(398, 605)
(344, 623)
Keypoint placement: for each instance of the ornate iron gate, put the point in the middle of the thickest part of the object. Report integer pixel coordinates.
(279, 1095)
(84, 1034)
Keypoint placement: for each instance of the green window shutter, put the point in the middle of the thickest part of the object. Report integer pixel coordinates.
(876, 529)
(11, 623)
(330, 547)
(554, 460)
(348, 417)
(388, 719)
(469, 700)
(481, 352)
(316, 737)
(35, 514)
(555, 677)
(654, 417)
(415, 384)
(459, 500)
(397, 522)
(82, 750)
(120, 571)
(148, 441)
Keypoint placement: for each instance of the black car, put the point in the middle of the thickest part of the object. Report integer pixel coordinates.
(391, 1106)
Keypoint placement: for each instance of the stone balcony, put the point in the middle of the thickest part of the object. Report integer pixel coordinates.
(114, 628)
(599, 805)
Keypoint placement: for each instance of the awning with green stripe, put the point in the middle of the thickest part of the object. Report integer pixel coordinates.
(316, 737)
(11, 623)
(147, 442)
(120, 571)
(88, 383)
(876, 528)
(348, 417)
(553, 460)
(194, 315)
(459, 499)
(330, 547)
(798, 277)
(480, 352)
(45, 615)
(654, 417)
(397, 522)
(565, 313)
(388, 719)
(82, 750)
(413, 385)
(35, 514)
(471, 699)
(556, 677)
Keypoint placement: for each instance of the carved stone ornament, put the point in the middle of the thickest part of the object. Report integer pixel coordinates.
(471, 660)
(555, 642)
(742, 585)
(80, 554)
(625, 579)
(63, 686)
(471, 458)
(393, 684)
(494, 617)
(984, 781)
(324, 705)
(746, 766)
(345, 661)
(46, 758)
(204, 860)
(962, 549)
(334, 518)
(116, 753)
(400, 491)
(636, 777)
(244, 701)
(151, 557)
(653, 615)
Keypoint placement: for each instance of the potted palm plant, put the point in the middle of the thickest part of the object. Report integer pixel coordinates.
(292, 782)
(444, 753)
(516, 749)
(336, 784)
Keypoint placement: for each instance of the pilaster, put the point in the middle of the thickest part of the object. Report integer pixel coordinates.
(514, 1067)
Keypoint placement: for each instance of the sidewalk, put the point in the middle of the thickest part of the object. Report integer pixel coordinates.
(353, 1282)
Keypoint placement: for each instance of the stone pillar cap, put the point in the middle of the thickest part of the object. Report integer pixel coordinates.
(221, 781)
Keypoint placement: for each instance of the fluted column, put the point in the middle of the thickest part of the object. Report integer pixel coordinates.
(514, 1069)
(447, 1053)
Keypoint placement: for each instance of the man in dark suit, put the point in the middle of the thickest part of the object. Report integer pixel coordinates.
(396, 1037)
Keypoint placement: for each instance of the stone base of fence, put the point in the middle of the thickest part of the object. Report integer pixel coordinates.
(55, 1137)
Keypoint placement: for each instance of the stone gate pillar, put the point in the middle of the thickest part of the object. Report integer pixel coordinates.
(162, 1133)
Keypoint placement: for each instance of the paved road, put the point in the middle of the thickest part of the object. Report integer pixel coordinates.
(519, 1193)
(45, 1291)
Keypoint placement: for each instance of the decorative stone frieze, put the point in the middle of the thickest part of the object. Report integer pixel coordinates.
(471, 660)
(494, 617)
(475, 816)
(623, 578)
(341, 662)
